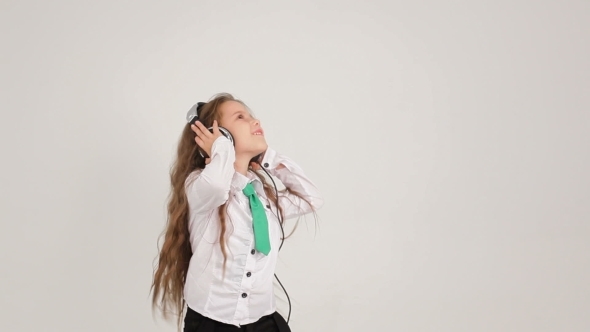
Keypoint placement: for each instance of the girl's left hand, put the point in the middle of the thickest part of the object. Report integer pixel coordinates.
(254, 166)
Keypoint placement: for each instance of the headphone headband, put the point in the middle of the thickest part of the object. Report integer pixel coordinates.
(193, 113)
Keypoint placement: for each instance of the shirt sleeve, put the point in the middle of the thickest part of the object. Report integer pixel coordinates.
(293, 177)
(209, 188)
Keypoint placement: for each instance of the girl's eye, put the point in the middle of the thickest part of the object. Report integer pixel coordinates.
(240, 116)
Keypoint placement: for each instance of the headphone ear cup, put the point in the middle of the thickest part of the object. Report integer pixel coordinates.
(225, 133)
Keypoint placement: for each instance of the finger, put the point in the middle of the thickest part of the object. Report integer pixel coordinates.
(215, 128)
(198, 130)
(203, 131)
(199, 142)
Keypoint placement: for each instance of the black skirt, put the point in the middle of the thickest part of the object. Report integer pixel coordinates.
(195, 322)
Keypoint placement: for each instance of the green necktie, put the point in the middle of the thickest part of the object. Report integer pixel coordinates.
(259, 221)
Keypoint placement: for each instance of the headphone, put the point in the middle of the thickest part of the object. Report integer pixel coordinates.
(192, 116)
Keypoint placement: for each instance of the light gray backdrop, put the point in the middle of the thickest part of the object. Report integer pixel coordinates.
(450, 139)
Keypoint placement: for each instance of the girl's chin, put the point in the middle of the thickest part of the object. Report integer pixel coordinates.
(261, 146)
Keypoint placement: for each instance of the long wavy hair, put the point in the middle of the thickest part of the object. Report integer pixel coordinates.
(175, 254)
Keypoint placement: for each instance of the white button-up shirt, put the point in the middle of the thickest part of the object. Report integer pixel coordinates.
(245, 293)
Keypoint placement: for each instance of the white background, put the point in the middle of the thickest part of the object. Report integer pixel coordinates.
(449, 138)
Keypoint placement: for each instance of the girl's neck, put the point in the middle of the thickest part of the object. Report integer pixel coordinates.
(241, 165)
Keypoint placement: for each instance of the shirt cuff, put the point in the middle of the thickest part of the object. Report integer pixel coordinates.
(219, 140)
(269, 161)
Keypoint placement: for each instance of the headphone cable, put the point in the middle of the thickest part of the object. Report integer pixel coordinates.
(283, 235)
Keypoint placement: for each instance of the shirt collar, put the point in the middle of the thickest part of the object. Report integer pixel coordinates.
(240, 181)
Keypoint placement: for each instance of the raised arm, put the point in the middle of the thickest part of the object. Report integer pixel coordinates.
(209, 188)
(293, 177)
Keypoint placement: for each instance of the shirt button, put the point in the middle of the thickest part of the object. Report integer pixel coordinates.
(248, 274)
(253, 251)
(244, 295)
(265, 165)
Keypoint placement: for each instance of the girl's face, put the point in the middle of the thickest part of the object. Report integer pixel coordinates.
(248, 135)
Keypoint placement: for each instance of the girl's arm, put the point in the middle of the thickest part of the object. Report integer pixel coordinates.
(208, 188)
(293, 177)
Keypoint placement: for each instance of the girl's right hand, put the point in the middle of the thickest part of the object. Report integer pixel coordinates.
(204, 137)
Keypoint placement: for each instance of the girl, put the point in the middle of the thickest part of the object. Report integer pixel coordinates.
(224, 226)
